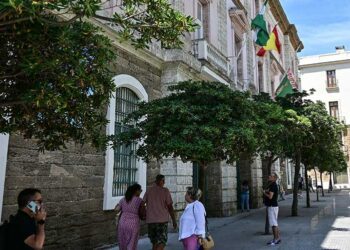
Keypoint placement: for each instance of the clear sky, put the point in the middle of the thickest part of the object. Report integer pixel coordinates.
(321, 24)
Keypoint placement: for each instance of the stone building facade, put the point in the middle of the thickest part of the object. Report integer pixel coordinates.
(81, 186)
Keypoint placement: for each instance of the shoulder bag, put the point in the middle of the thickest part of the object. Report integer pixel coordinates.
(207, 242)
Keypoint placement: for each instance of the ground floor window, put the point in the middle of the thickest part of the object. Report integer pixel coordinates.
(123, 168)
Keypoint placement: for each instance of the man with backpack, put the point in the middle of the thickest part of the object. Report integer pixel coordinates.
(26, 230)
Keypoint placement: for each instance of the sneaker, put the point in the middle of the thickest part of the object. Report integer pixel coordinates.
(271, 243)
(274, 242)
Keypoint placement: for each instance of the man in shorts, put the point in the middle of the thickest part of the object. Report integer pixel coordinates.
(272, 208)
(159, 206)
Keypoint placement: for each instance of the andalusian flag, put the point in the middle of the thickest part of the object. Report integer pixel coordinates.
(259, 26)
(285, 87)
(272, 44)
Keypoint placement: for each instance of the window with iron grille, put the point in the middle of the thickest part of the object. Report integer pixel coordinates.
(331, 79)
(125, 167)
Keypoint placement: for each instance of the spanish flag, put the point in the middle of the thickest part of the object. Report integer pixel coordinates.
(272, 44)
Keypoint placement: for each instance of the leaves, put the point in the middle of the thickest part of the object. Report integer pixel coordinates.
(55, 78)
(198, 121)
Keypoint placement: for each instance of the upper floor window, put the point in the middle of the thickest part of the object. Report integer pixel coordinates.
(257, 7)
(334, 109)
(199, 20)
(239, 60)
(331, 79)
(261, 77)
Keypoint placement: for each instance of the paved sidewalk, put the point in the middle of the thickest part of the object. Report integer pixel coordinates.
(326, 225)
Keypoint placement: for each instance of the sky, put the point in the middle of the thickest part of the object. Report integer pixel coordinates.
(321, 24)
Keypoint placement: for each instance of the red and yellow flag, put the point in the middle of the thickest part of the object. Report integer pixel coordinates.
(272, 44)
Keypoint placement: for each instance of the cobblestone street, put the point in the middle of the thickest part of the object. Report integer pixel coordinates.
(326, 225)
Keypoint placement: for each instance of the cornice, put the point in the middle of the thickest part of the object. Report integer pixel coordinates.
(283, 22)
(318, 64)
(239, 19)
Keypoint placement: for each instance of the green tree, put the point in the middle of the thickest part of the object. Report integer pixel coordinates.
(269, 129)
(298, 128)
(198, 122)
(323, 145)
(55, 78)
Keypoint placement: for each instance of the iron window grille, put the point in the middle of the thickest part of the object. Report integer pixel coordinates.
(125, 161)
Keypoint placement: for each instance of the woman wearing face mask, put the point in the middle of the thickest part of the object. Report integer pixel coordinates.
(192, 221)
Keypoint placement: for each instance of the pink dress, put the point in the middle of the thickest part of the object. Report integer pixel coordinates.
(129, 224)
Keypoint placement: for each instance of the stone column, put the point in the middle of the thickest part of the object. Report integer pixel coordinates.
(221, 191)
(178, 176)
(251, 171)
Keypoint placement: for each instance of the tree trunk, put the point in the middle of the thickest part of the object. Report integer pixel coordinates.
(321, 184)
(330, 188)
(317, 195)
(295, 184)
(267, 225)
(268, 168)
(307, 188)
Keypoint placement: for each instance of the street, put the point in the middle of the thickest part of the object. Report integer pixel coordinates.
(326, 225)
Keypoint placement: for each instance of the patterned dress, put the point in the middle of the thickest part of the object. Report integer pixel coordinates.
(129, 223)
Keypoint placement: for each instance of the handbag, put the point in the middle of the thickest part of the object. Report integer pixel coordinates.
(142, 211)
(207, 242)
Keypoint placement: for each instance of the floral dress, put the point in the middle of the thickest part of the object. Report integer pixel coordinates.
(129, 223)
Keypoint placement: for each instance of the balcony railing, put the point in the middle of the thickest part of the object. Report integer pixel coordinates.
(205, 51)
(332, 84)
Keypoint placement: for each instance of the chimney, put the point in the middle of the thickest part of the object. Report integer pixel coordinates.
(340, 49)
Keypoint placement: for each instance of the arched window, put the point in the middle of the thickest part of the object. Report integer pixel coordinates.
(124, 169)
(122, 166)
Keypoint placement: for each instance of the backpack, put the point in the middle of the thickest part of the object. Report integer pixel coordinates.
(5, 233)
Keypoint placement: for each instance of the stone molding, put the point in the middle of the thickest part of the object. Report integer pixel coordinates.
(239, 20)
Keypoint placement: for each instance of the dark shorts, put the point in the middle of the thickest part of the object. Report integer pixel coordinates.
(158, 233)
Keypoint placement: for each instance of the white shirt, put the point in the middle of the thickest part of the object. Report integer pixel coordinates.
(192, 220)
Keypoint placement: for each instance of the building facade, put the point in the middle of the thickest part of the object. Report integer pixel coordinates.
(82, 186)
(328, 74)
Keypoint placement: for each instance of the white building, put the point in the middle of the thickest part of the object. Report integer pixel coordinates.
(329, 75)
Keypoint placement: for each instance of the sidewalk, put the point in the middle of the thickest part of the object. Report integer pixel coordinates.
(326, 225)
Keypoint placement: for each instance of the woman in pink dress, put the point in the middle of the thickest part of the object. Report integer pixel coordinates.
(132, 209)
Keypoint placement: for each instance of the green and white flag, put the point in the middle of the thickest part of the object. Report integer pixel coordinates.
(261, 35)
(285, 87)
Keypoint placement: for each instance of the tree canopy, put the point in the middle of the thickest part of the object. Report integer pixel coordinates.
(324, 144)
(199, 121)
(55, 78)
(270, 129)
